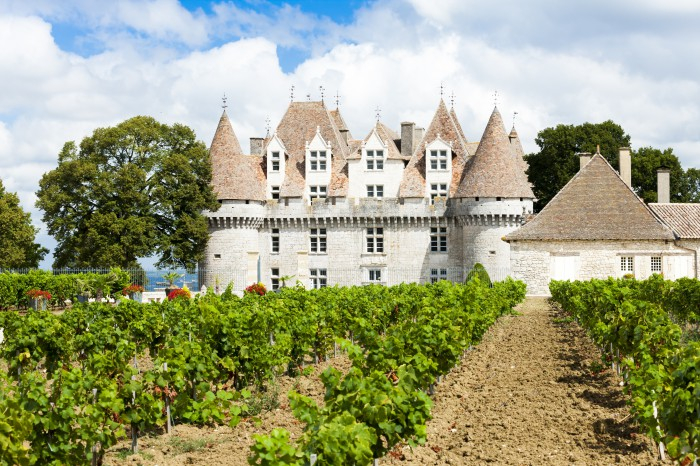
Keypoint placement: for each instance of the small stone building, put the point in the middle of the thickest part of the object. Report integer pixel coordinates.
(684, 220)
(596, 227)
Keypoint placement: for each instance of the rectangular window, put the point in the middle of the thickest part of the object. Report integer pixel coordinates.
(275, 278)
(275, 191)
(375, 190)
(319, 278)
(627, 264)
(375, 240)
(656, 264)
(275, 161)
(438, 239)
(375, 275)
(375, 159)
(275, 240)
(437, 274)
(317, 160)
(318, 241)
(317, 192)
(437, 190)
(438, 160)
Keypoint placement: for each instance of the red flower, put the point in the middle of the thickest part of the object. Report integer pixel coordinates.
(257, 288)
(39, 294)
(133, 288)
(179, 293)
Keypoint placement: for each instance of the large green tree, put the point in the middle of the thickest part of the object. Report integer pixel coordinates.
(556, 162)
(645, 162)
(129, 191)
(17, 235)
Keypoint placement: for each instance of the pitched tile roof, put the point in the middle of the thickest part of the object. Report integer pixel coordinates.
(494, 170)
(595, 205)
(298, 126)
(234, 176)
(447, 128)
(683, 219)
(517, 147)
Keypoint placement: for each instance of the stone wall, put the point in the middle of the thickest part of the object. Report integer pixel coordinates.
(531, 261)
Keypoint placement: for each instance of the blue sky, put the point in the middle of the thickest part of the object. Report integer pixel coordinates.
(69, 67)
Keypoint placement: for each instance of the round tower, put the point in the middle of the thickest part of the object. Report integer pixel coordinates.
(492, 199)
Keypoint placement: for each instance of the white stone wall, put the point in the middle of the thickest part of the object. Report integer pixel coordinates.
(531, 260)
(275, 178)
(390, 177)
(437, 176)
(483, 244)
(694, 245)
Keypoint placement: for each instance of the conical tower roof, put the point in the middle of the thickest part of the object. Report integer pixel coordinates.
(234, 176)
(494, 170)
(517, 147)
(595, 205)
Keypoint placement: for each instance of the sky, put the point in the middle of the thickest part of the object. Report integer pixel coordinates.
(69, 67)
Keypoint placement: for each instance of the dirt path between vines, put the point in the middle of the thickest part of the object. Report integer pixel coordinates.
(526, 395)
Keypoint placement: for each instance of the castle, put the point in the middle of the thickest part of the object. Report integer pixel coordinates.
(310, 203)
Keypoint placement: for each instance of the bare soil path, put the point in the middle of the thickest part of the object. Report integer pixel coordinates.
(526, 395)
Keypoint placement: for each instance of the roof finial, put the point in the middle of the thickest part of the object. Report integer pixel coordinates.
(495, 98)
(337, 99)
(291, 92)
(378, 113)
(442, 89)
(452, 99)
(267, 126)
(514, 113)
(320, 88)
(597, 149)
(308, 97)
(224, 99)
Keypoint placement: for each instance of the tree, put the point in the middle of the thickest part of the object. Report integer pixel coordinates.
(692, 179)
(556, 162)
(17, 235)
(133, 190)
(645, 162)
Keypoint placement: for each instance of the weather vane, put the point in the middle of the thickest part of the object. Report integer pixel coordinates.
(337, 99)
(267, 125)
(320, 88)
(452, 99)
(378, 113)
(514, 113)
(442, 88)
(308, 97)
(495, 98)
(292, 93)
(223, 99)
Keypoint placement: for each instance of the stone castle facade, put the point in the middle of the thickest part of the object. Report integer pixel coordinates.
(312, 204)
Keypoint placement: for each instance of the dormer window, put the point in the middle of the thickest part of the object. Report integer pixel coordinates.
(317, 192)
(275, 192)
(437, 190)
(438, 159)
(317, 160)
(275, 161)
(375, 190)
(375, 160)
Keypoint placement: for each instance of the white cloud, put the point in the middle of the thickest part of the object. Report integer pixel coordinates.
(551, 64)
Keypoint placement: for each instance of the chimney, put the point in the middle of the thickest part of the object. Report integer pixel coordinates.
(584, 158)
(407, 138)
(418, 135)
(256, 146)
(626, 165)
(663, 185)
(344, 136)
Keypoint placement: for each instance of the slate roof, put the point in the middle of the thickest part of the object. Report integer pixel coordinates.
(234, 176)
(595, 205)
(683, 219)
(298, 126)
(494, 170)
(517, 147)
(446, 127)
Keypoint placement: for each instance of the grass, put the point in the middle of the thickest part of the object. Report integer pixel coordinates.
(181, 445)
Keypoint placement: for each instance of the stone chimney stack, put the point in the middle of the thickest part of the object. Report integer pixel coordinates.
(344, 135)
(407, 138)
(663, 185)
(626, 165)
(256, 146)
(418, 135)
(584, 158)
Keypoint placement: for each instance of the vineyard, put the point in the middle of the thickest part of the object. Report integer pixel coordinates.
(648, 332)
(73, 385)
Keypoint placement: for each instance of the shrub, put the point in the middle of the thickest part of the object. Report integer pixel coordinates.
(179, 293)
(480, 272)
